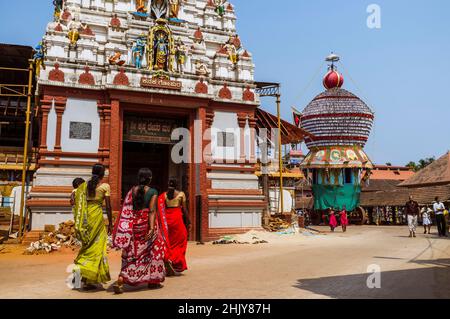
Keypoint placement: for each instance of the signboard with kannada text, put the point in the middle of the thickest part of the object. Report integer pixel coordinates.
(158, 83)
(148, 130)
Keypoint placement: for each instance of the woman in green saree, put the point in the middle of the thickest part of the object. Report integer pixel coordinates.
(92, 261)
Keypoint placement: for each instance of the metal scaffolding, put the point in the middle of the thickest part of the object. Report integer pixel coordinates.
(21, 90)
(267, 89)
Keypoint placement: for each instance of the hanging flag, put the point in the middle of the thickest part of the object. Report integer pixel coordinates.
(297, 117)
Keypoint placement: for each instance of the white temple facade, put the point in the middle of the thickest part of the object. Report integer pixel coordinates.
(117, 77)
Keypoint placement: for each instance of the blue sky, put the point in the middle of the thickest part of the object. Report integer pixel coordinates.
(401, 70)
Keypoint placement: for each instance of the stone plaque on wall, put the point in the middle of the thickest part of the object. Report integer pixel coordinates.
(80, 131)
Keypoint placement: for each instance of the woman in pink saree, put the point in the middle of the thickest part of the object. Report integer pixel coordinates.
(141, 233)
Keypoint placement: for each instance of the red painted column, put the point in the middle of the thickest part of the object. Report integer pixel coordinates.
(203, 180)
(115, 163)
(192, 180)
(60, 107)
(107, 133)
(46, 106)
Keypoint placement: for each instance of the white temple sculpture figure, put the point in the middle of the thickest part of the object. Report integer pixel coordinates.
(181, 55)
(75, 27)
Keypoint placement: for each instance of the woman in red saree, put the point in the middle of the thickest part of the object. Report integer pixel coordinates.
(142, 235)
(333, 220)
(174, 204)
(344, 219)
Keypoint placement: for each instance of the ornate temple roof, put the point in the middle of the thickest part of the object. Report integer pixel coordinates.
(203, 53)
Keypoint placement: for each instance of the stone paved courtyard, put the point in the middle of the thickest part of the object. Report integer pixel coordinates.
(290, 266)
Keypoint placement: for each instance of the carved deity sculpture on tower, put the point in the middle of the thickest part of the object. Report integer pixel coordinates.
(232, 52)
(59, 5)
(201, 69)
(141, 6)
(159, 9)
(138, 51)
(39, 57)
(181, 55)
(161, 48)
(116, 59)
(174, 8)
(141, 9)
(220, 6)
(75, 26)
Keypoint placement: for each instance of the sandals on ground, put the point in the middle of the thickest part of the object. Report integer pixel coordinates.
(118, 289)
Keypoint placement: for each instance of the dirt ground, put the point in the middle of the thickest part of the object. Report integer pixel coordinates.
(289, 266)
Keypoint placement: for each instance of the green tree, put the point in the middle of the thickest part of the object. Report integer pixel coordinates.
(421, 164)
(412, 166)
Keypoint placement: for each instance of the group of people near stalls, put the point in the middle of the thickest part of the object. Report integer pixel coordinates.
(151, 230)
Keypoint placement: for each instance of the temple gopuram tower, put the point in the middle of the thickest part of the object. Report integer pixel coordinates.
(117, 77)
(341, 124)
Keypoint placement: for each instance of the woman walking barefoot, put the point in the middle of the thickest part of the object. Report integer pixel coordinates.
(92, 260)
(141, 234)
(344, 219)
(174, 204)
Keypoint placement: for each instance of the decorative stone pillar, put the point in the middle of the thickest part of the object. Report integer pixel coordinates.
(203, 179)
(107, 133)
(104, 111)
(115, 156)
(242, 120)
(209, 120)
(60, 107)
(252, 124)
(46, 107)
(101, 147)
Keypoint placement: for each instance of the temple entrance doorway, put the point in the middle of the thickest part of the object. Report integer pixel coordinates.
(147, 144)
(139, 155)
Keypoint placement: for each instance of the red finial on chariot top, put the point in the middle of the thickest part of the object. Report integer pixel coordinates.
(333, 79)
